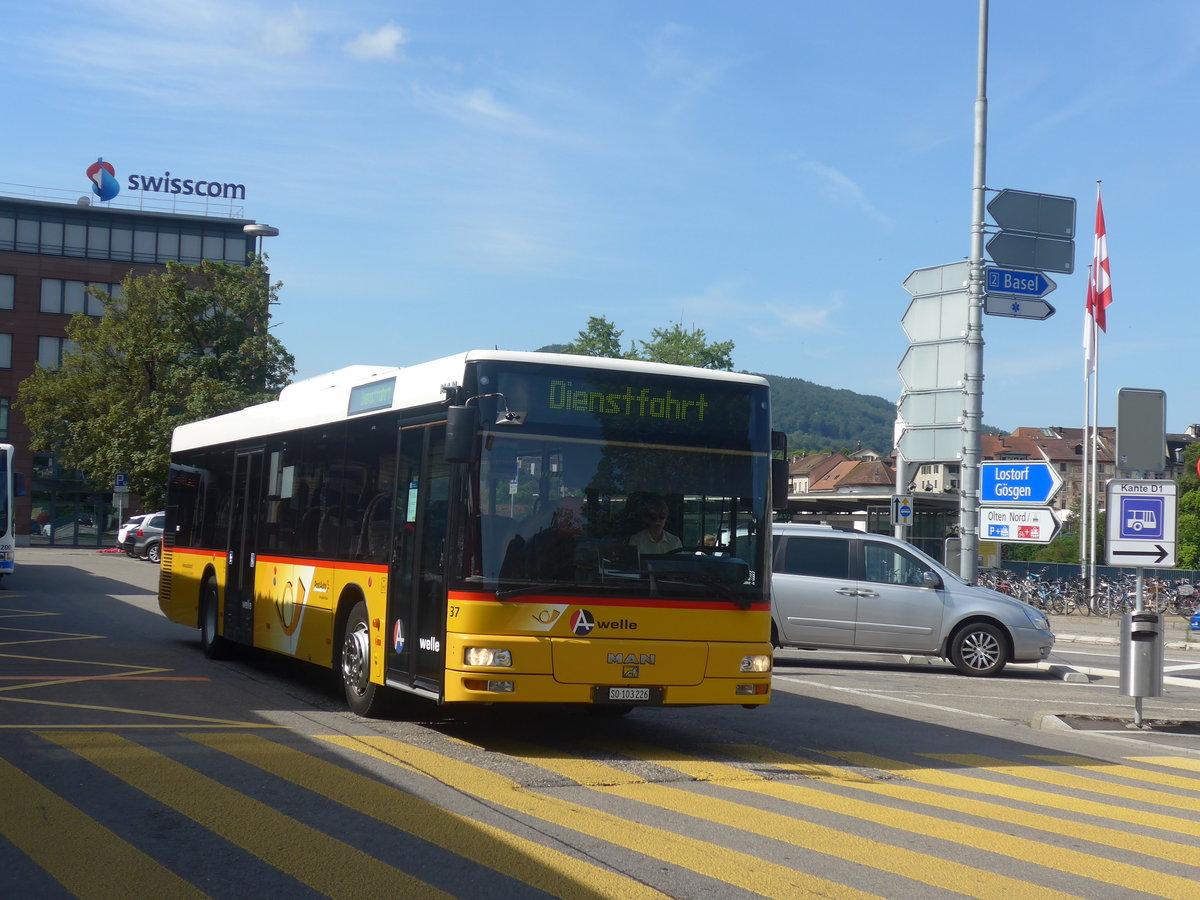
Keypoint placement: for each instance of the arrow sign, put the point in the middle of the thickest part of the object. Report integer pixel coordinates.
(1017, 307)
(1018, 524)
(1017, 483)
(1018, 282)
(1028, 251)
(1031, 213)
(1158, 554)
(938, 279)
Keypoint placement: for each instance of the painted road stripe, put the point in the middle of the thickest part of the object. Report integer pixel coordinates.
(926, 868)
(316, 859)
(1184, 853)
(711, 860)
(76, 850)
(547, 869)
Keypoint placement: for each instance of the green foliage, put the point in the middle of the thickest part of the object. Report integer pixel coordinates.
(178, 345)
(1187, 526)
(818, 418)
(600, 338)
(680, 347)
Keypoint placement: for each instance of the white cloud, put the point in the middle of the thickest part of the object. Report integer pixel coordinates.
(841, 188)
(382, 44)
(287, 35)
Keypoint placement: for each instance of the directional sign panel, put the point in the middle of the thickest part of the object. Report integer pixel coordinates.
(932, 407)
(1016, 281)
(1018, 524)
(1141, 523)
(1018, 482)
(931, 367)
(1028, 251)
(931, 444)
(1016, 307)
(936, 317)
(938, 279)
(1034, 213)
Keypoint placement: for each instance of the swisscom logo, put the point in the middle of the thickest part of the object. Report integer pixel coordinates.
(104, 179)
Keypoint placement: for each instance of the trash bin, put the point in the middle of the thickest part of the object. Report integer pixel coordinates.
(1141, 655)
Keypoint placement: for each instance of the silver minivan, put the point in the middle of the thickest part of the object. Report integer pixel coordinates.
(840, 589)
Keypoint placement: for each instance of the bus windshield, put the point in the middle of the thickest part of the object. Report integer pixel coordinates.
(591, 494)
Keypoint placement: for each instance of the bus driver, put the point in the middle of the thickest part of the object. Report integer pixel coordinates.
(653, 538)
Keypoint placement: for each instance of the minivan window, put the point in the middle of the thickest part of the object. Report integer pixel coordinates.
(822, 557)
(889, 565)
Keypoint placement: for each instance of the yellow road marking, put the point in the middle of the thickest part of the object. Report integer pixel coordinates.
(926, 868)
(1126, 772)
(316, 859)
(730, 866)
(1174, 762)
(1071, 781)
(549, 870)
(995, 812)
(76, 850)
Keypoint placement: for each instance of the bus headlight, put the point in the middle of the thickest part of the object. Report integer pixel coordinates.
(487, 656)
(759, 663)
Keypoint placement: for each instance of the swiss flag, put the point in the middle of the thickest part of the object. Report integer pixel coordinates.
(1100, 284)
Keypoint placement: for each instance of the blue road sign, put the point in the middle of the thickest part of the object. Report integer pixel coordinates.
(1017, 483)
(1017, 282)
(1142, 518)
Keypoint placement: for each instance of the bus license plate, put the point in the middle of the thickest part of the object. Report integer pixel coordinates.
(615, 694)
(624, 693)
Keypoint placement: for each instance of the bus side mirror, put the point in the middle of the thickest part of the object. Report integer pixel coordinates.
(779, 471)
(462, 427)
(18, 484)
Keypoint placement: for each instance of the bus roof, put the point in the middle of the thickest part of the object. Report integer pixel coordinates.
(325, 398)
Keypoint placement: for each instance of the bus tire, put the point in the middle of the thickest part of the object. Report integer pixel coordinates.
(211, 642)
(364, 697)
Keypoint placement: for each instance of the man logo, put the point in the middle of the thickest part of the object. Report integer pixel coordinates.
(582, 622)
(104, 179)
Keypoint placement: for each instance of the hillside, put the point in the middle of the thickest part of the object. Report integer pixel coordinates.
(815, 417)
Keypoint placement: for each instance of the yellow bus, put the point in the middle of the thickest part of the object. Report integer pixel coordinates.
(489, 527)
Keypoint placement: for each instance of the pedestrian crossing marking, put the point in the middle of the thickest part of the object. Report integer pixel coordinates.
(541, 867)
(322, 862)
(1174, 762)
(926, 868)
(41, 824)
(1071, 781)
(1127, 772)
(988, 810)
(730, 866)
(1055, 858)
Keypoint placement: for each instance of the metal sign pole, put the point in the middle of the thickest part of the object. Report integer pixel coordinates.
(973, 413)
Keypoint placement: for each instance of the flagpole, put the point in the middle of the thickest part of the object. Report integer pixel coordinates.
(1095, 454)
(1085, 442)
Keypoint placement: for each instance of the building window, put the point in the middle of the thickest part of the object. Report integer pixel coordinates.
(70, 297)
(6, 291)
(6, 351)
(4, 404)
(51, 350)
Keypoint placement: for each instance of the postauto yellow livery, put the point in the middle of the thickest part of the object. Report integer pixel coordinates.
(491, 527)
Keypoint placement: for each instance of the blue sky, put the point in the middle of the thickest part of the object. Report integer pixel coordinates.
(449, 175)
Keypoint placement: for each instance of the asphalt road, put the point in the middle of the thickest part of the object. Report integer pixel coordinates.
(134, 767)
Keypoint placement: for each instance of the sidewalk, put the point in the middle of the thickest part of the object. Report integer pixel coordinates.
(1107, 630)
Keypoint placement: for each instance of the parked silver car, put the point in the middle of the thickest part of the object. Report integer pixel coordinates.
(840, 589)
(146, 538)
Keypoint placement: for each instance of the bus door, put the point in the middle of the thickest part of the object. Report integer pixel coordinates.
(243, 533)
(417, 588)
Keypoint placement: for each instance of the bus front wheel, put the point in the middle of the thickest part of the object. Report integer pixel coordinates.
(364, 697)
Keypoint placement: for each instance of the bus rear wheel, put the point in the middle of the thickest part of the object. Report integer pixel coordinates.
(364, 697)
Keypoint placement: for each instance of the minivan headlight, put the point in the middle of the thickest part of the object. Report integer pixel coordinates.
(1038, 618)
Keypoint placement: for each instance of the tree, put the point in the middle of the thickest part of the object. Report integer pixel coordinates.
(686, 348)
(600, 338)
(176, 346)
(1187, 548)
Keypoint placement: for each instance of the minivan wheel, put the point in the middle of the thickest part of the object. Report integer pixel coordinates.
(979, 649)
